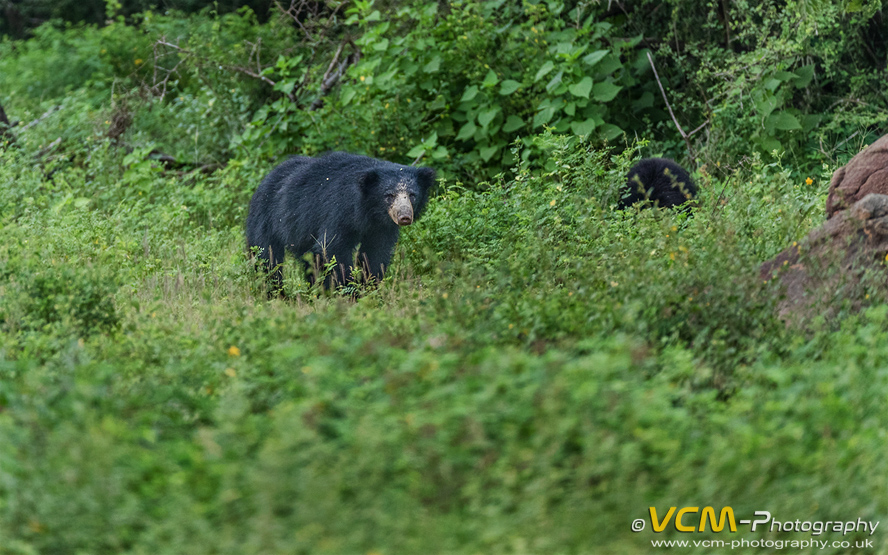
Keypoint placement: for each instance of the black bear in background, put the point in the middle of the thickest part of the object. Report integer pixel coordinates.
(333, 206)
(660, 181)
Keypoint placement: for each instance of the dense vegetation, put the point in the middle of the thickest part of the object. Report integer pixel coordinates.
(537, 369)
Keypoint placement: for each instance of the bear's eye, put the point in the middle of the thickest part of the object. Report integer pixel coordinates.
(412, 197)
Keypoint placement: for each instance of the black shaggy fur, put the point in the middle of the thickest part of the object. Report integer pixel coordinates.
(660, 181)
(334, 206)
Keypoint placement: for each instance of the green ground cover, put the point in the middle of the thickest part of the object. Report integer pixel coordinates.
(536, 370)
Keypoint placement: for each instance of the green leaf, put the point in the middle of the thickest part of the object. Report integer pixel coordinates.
(409, 69)
(381, 45)
(805, 75)
(488, 152)
(785, 121)
(467, 131)
(645, 101)
(439, 153)
(581, 89)
(347, 96)
(771, 84)
(770, 144)
(432, 66)
(555, 81)
(594, 57)
(438, 104)
(385, 79)
(513, 123)
(509, 86)
(583, 127)
(784, 76)
(609, 131)
(809, 122)
(490, 79)
(564, 47)
(416, 151)
(469, 94)
(485, 117)
(608, 65)
(445, 127)
(545, 69)
(766, 105)
(605, 92)
(285, 86)
(543, 116)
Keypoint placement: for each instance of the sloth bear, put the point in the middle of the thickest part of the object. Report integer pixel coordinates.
(660, 181)
(336, 205)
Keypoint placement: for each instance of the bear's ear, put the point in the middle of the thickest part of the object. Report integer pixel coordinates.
(369, 181)
(425, 177)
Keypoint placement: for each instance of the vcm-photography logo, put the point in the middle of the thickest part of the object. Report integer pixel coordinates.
(691, 519)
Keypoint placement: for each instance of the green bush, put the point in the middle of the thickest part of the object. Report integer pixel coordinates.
(536, 370)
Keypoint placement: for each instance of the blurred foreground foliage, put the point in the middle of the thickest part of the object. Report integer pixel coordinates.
(536, 370)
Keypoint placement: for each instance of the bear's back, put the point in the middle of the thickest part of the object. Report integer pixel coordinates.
(341, 169)
(663, 180)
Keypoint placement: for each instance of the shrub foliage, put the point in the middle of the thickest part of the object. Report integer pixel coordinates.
(537, 368)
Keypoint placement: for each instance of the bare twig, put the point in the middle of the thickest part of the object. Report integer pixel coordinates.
(256, 52)
(835, 148)
(330, 80)
(259, 76)
(721, 194)
(724, 7)
(684, 135)
(45, 115)
(294, 11)
(159, 88)
(170, 72)
(314, 18)
(333, 62)
(299, 11)
(205, 169)
(163, 42)
(49, 148)
(701, 126)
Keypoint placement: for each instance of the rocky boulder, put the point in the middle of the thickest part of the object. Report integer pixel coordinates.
(864, 174)
(835, 263)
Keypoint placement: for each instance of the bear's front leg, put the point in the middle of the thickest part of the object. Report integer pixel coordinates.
(374, 259)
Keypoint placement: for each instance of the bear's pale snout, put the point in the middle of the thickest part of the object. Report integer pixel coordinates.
(401, 210)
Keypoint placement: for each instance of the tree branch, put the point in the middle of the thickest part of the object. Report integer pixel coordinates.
(330, 81)
(684, 135)
(45, 115)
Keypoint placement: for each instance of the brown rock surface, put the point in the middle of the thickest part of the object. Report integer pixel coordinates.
(831, 262)
(864, 174)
